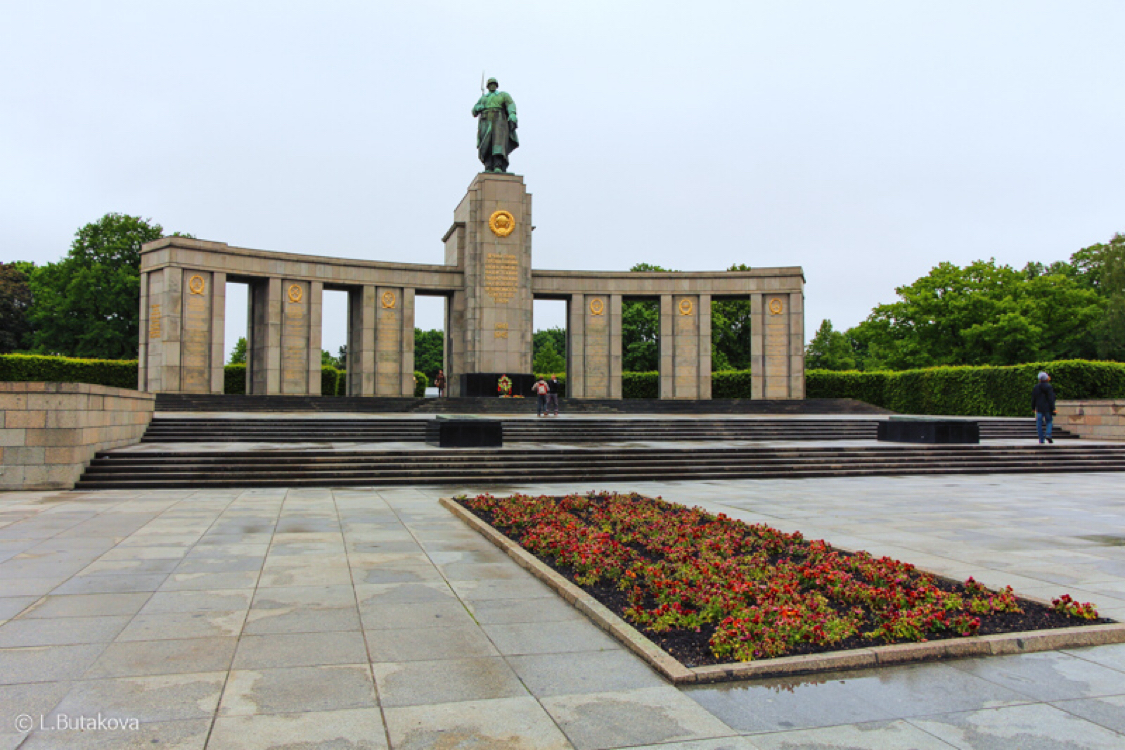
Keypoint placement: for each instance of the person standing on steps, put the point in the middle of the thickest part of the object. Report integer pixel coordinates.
(541, 390)
(553, 394)
(439, 383)
(1043, 401)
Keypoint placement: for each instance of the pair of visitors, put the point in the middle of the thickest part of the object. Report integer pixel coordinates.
(553, 394)
(439, 382)
(1043, 401)
(542, 391)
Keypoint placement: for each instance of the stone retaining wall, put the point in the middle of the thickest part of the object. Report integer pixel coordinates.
(1100, 419)
(50, 431)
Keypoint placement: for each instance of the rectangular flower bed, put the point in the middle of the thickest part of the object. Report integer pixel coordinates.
(713, 592)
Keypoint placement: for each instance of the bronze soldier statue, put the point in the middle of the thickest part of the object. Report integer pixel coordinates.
(496, 128)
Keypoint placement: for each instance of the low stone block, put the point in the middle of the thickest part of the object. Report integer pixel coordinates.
(26, 418)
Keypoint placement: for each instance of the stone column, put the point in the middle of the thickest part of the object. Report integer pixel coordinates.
(218, 332)
(797, 345)
(142, 331)
(598, 349)
(704, 311)
(394, 310)
(576, 346)
(453, 351)
(300, 337)
(361, 341)
(757, 347)
(667, 384)
(616, 344)
(161, 329)
(407, 352)
(264, 346)
(776, 343)
(197, 331)
(682, 355)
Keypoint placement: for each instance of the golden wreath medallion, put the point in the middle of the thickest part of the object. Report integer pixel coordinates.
(686, 307)
(388, 299)
(295, 293)
(502, 223)
(196, 284)
(776, 307)
(597, 307)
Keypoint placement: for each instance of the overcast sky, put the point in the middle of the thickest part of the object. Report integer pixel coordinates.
(863, 141)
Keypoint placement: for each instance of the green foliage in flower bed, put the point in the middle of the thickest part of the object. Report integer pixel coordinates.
(39, 369)
(969, 391)
(759, 592)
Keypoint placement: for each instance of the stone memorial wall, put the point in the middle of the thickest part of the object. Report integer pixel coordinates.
(489, 285)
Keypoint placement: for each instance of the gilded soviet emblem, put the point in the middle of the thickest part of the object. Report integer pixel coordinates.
(196, 284)
(686, 307)
(502, 223)
(295, 293)
(776, 307)
(388, 299)
(597, 307)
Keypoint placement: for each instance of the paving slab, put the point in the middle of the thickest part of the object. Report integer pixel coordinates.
(298, 689)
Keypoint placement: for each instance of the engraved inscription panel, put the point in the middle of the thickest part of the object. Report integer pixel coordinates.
(597, 355)
(195, 346)
(501, 277)
(388, 349)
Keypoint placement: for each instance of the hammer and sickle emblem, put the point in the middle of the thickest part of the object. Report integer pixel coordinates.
(295, 293)
(196, 284)
(776, 307)
(686, 307)
(597, 307)
(388, 299)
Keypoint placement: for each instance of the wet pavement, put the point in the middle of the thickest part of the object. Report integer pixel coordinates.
(353, 618)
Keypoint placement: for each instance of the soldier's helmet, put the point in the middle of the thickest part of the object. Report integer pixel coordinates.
(492, 81)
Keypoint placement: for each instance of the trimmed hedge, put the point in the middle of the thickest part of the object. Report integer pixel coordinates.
(640, 385)
(730, 384)
(117, 373)
(969, 391)
(234, 380)
(421, 383)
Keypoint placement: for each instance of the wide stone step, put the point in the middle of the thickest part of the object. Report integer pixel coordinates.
(476, 466)
(164, 429)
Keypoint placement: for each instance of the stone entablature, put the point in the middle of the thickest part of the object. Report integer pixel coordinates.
(489, 285)
(50, 431)
(1095, 419)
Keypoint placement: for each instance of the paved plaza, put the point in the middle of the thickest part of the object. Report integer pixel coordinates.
(356, 618)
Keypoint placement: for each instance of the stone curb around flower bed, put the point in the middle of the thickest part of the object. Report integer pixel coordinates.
(678, 674)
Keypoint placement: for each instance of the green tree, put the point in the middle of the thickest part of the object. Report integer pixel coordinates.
(556, 337)
(829, 350)
(238, 353)
(547, 360)
(640, 329)
(327, 360)
(86, 305)
(15, 302)
(982, 314)
(428, 352)
(730, 331)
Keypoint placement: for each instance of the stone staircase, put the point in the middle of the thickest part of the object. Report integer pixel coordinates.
(173, 402)
(570, 430)
(580, 467)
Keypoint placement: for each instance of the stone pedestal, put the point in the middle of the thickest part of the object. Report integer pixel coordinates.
(491, 241)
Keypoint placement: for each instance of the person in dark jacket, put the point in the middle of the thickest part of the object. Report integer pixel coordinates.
(553, 395)
(1043, 401)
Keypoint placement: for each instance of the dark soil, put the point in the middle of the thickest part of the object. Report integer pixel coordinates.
(692, 648)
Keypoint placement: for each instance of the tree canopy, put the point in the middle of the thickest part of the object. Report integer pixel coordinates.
(87, 304)
(15, 302)
(991, 314)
